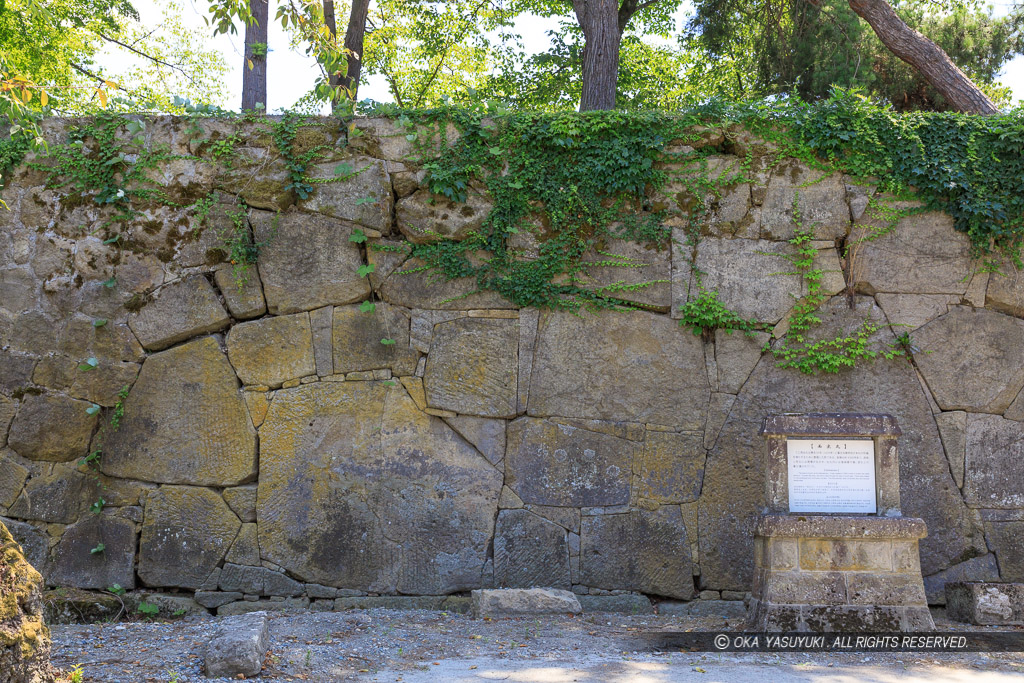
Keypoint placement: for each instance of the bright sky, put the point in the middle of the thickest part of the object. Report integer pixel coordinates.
(291, 74)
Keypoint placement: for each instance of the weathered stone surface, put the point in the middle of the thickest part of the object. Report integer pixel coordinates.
(243, 292)
(726, 609)
(512, 602)
(7, 410)
(24, 640)
(734, 477)
(307, 261)
(552, 463)
(923, 254)
(625, 603)
(75, 563)
(35, 544)
(178, 311)
(658, 559)
(242, 501)
(993, 477)
(184, 422)
(393, 499)
(821, 203)
(970, 359)
(672, 469)
(57, 495)
(1005, 291)
(12, 478)
(1007, 541)
(985, 603)
(529, 552)
(273, 350)
(907, 312)
(15, 371)
(67, 605)
(982, 568)
(361, 193)
(486, 435)
(52, 427)
(239, 647)
(358, 335)
(736, 355)
(247, 607)
(321, 323)
(634, 366)
(641, 265)
(472, 367)
(425, 217)
(245, 549)
(408, 286)
(752, 277)
(953, 431)
(185, 535)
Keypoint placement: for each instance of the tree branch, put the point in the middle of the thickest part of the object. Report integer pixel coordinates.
(150, 57)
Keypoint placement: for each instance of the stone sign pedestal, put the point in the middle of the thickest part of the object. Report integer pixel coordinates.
(832, 551)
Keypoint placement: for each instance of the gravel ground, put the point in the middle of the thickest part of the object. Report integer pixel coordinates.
(418, 646)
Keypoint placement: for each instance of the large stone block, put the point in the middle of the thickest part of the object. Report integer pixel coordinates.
(356, 190)
(307, 261)
(630, 271)
(633, 366)
(410, 286)
(238, 648)
(58, 495)
(922, 254)
(993, 477)
(425, 217)
(733, 491)
(984, 568)
(178, 311)
(985, 604)
(473, 367)
(272, 350)
(819, 199)
(359, 489)
(1005, 291)
(357, 340)
(529, 552)
(52, 427)
(184, 422)
(908, 312)
(25, 640)
(639, 550)
(77, 562)
(751, 277)
(12, 478)
(242, 290)
(672, 469)
(515, 602)
(185, 535)
(1007, 541)
(549, 462)
(970, 359)
(486, 435)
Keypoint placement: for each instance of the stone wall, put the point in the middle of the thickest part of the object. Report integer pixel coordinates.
(271, 445)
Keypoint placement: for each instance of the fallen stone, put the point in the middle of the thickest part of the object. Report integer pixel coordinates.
(512, 602)
(985, 604)
(178, 311)
(239, 647)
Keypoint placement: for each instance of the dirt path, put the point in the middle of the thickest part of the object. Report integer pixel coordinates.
(420, 646)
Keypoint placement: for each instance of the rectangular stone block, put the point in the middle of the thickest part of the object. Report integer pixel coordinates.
(823, 555)
(985, 603)
(864, 588)
(806, 588)
(906, 557)
(782, 553)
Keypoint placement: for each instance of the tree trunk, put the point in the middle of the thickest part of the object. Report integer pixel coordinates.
(334, 78)
(354, 44)
(925, 56)
(599, 20)
(254, 80)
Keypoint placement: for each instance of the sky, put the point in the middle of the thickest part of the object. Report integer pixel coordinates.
(291, 74)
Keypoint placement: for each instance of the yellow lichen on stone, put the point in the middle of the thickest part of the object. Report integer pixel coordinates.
(24, 637)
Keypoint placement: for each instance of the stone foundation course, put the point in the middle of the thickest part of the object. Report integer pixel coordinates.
(237, 434)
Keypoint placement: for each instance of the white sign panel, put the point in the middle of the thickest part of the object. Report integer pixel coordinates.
(831, 475)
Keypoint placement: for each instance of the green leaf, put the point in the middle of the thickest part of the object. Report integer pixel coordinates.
(116, 589)
(343, 169)
(366, 200)
(389, 383)
(89, 364)
(357, 236)
(99, 322)
(97, 507)
(98, 549)
(111, 282)
(494, 150)
(148, 609)
(367, 307)
(115, 238)
(387, 342)
(92, 410)
(366, 270)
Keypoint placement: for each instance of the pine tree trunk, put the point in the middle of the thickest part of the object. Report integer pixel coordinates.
(599, 20)
(335, 78)
(354, 44)
(254, 80)
(928, 58)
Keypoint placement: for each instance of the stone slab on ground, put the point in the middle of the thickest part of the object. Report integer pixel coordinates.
(507, 602)
(985, 604)
(239, 647)
(626, 603)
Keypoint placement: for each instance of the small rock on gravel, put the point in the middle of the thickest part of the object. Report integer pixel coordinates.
(517, 601)
(239, 646)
